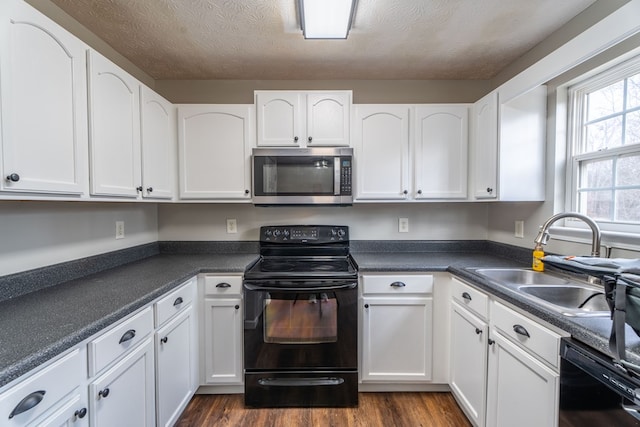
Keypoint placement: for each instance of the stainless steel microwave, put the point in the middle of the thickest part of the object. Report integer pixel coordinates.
(302, 176)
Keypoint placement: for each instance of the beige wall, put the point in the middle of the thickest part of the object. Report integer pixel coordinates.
(364, 91)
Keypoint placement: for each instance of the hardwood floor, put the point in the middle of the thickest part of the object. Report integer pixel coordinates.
(375, 409)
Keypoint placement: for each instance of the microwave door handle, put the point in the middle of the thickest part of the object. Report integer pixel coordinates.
(336, 176)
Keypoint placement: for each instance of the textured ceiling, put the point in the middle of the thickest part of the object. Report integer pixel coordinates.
(261, 39)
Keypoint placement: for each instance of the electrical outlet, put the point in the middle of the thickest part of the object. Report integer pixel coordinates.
(119, 229)
(232, 226)
(403, 225)
(519, 229)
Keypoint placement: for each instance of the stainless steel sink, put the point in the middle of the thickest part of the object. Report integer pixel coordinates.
(570, 297)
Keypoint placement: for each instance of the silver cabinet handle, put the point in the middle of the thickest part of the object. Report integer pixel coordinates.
(223, 285)
(397, 285)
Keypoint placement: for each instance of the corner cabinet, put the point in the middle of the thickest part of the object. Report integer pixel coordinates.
(397, 325)
(114, 123)
(303, 119)
(221, 348)
(214, 151)
(508, 146)
(43, 104)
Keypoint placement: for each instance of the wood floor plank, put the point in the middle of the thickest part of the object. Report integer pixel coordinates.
(375, 409)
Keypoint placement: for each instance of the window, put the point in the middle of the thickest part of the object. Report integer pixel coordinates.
(605, 147)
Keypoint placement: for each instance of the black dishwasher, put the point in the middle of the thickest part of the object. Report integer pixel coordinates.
(593, 391)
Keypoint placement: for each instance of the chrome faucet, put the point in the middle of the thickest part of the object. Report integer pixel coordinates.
(543, 235)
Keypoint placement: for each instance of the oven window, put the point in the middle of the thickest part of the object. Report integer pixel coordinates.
(305, 319)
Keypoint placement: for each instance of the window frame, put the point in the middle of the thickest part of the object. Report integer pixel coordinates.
(576, 98)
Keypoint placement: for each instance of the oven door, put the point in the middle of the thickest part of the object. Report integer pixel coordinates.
(300, 328)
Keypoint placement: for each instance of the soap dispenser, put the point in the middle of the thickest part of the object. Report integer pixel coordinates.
(538, 253)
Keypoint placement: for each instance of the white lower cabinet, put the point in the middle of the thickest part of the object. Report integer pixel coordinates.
(124, 395)
(469, 362)
(221, 348)
(504, 365)
(397, 328)
(521, 390)
(176, 354)
(51, 396)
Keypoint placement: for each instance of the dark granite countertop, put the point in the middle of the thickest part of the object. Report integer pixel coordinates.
(39, 324)
(594, 331)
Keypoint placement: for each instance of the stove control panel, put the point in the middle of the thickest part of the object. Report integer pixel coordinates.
(304, 234)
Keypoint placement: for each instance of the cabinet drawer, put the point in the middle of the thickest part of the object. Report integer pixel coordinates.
(118, 340)
(534, 337)
(175, 301)
(470, 297)
(222, 285)
(400, 284)
(51, 384)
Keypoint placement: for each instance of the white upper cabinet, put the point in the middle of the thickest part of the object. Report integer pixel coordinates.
(158, 139)
(485, 147)
(381, 151)
(114, 129)
(440, 151)
(303, 119)
(509, 146)
(214, 144)
(44, 103)
(396, 161)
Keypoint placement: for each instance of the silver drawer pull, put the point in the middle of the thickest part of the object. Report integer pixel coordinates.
(398, 285)
(129, 335)
(520, 330)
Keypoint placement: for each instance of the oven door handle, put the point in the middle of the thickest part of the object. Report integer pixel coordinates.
(344, 286)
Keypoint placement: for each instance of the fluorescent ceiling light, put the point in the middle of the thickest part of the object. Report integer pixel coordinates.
(326, 19)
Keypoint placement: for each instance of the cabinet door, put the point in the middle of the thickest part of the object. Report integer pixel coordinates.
(157, 134)
(214, 143)
(44, 104)
(114, 111)
(522, 146)
(381, 145)
(396, 339)
(125, 394)
(485, 147)
(440, 151)
(279, 118)
(223, 331)
(521, 391)
(469, 362)
(328, 118)
(175, 367)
